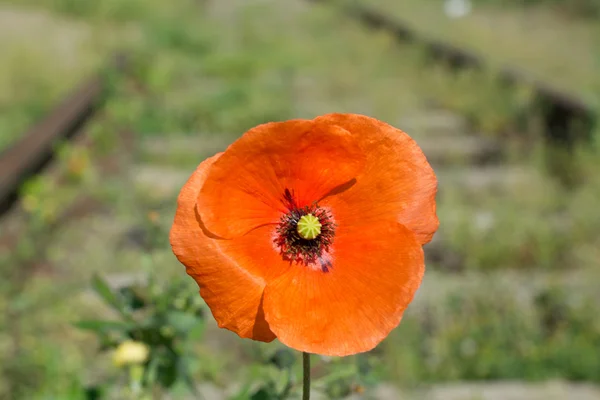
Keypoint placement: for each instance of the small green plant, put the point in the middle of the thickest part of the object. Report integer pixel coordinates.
(155, 324)
(275, 375)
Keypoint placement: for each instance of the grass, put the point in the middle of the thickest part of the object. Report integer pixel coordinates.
(202, 74)
(548, 45)
(480, 327)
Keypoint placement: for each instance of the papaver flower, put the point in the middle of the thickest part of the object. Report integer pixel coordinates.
(309, 231)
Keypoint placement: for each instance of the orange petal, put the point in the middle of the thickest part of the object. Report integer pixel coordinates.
(233, 295)
(350, 309)
(255, 253)
(245, 187)
(396, 178)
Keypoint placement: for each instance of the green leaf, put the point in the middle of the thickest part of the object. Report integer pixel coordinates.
(264, 393)
(243, 393)
(104, 291)
(94, 392)
(103, 326)
(283, 382)
(168, 370)
(186, 376)
(344, 371)
(283, 358)
(152, 370)
(197, 331)
(181, 321)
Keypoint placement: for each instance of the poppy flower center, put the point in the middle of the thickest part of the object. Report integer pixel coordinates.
(309, 227)
(305, 234)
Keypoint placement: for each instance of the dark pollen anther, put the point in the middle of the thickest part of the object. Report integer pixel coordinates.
(325, 264)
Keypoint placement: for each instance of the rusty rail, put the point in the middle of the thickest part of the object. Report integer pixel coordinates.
(30, 154)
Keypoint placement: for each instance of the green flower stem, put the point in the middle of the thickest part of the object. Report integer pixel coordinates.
(305, 376)
(136, 372)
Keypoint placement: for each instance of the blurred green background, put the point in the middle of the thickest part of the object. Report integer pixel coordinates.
(510, 300)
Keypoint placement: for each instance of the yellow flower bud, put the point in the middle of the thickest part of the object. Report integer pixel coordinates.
(130, 353)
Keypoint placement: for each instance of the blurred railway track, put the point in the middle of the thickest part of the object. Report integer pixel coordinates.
(567, 118)
(36, 148)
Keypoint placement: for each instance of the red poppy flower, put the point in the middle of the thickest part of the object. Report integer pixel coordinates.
(309, 231)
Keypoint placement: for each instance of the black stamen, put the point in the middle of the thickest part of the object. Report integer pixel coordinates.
(288, 199)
